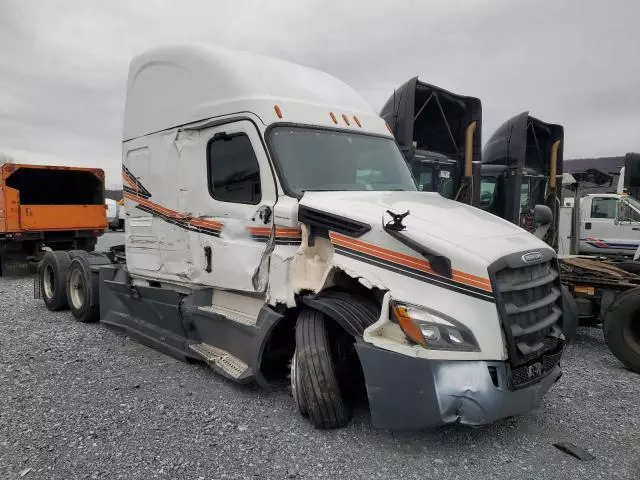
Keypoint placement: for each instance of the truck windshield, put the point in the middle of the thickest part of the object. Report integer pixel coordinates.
(326, 160)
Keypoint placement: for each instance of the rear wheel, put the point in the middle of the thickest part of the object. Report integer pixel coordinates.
(81, 290)
(622, 328)
(314, 377)
(52, 273)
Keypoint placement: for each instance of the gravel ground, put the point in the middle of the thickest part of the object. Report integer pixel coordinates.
(82, 401)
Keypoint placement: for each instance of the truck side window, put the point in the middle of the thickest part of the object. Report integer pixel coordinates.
(233, 170)
(604, 207)
(487, 191)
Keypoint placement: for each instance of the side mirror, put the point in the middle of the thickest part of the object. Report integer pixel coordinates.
(623, 212)
(543, 218)
(542, 215)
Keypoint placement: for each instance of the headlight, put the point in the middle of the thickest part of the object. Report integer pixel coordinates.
(433, 330)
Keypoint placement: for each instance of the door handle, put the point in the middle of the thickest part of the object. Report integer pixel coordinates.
(207, 259)
(587, 226)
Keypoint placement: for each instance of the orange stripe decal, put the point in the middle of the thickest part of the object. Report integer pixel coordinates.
(407, 260)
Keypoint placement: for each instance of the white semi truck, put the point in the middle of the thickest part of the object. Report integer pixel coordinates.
(274, 227)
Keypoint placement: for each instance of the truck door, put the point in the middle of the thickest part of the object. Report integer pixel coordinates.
(232, 238)
(627, 225)
(603, 232)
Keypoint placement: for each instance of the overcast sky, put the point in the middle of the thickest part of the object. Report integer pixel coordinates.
(63, 63)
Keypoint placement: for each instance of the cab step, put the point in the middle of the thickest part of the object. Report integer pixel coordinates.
(222, 361)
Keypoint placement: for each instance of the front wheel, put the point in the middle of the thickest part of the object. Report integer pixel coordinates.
(314, 377)
(622, 328)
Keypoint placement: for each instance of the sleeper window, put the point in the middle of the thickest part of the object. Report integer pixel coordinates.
(234, 173)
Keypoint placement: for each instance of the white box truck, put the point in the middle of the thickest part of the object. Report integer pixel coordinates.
(273, 227)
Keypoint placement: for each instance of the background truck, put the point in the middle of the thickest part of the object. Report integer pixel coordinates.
(56, 207)
(607, 223)
(274, 227)
(115, 213)
(519, 176)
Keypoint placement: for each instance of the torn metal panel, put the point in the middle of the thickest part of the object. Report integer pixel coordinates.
(279, 289)
(184, 138)
(312, 263)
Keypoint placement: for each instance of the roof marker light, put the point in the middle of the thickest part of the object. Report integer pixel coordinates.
(357, 120)
(346, 119)
(278, 111)
(333, 117)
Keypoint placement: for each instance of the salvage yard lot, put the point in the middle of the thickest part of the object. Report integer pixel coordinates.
(83, 401)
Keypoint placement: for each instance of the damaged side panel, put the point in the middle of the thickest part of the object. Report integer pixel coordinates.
(215, 228)
(311, 267)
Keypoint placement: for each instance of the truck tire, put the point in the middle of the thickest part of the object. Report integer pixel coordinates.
(569, 315)
(622, 328)
(315, 376)
(630, 266)
(81, 291)
(296, 387)
(52, 273)
(78, 253)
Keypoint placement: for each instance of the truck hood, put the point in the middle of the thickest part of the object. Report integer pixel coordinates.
(445, 226)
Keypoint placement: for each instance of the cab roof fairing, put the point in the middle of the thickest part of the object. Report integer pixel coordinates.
(174, 86)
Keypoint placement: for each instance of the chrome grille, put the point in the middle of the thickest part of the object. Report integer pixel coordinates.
(531, 307)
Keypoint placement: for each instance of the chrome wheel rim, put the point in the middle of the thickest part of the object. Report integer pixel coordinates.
(76, 290)
(48, 281)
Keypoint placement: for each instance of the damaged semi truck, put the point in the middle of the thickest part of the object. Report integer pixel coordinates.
(273, 228)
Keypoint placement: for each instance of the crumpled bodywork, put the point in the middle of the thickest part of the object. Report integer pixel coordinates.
(415, 393)
(311, 267)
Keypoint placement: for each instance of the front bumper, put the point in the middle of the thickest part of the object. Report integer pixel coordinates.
(408, 393)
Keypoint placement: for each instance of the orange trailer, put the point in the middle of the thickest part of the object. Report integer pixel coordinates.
(52, 206)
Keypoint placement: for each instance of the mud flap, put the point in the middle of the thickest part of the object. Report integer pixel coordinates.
(351, 312)
(237, 347)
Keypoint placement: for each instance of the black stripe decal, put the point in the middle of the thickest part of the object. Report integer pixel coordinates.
(279, 240)
(182, 223)
(417, 274)
(135, 192)
(141, 191)
(288, 241)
